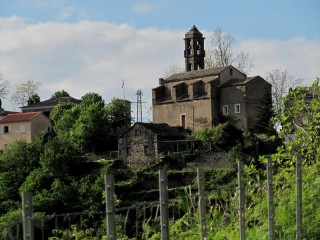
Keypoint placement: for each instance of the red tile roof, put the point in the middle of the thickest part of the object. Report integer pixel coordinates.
(19, 117)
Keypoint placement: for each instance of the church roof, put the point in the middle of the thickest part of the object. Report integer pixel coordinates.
(238, 82)
(195, 74)
(193, 32)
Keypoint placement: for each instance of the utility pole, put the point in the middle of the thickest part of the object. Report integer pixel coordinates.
(139, 105)
(270, 199)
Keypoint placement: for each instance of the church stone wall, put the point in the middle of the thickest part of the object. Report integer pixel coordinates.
(197, 113)
(231, 97)
(256, 91)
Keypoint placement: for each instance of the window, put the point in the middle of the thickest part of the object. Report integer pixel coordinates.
(136, 132)
(189, 66)
(22, 128)
(6, 129)
(225, 110)
(183, 120)
(237, 108)
(146, 150)
(231, 71)
(129, 151)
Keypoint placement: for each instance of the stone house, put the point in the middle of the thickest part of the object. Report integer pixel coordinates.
(143, 142)
(202, 97)
(22, 126)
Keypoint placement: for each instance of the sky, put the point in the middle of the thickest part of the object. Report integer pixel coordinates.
(100, 46)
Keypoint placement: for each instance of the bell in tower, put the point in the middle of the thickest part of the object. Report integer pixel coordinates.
(194, 50)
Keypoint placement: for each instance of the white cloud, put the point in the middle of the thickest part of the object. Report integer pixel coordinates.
(97, 56)
(299, 56)
(12, 22)
(142, 7)
(88, 57)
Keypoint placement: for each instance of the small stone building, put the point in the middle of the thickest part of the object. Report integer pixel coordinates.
(202, 97)
(144, 142)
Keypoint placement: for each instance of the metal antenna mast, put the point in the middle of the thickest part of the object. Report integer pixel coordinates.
(139, 105)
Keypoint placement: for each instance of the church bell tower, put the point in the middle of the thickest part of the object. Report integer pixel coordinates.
(194, 50)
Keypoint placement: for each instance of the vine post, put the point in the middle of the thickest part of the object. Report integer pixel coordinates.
(241, 199)
(110, 209)
(270, 199)
(164, 208)
(299, 197)
(202, 203)
(27, 218)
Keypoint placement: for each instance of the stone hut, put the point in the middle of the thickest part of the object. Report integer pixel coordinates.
(144, 142)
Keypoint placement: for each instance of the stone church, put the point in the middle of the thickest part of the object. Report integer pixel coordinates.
(202, 97)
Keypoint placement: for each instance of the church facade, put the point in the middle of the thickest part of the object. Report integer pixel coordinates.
(202, 97)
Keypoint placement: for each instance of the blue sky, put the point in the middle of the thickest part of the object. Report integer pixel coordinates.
(82, 45)
(246, 18)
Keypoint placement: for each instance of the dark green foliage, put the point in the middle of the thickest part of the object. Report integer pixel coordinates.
(59, 94)
(16, 162)
(13, 216)
(219, 180)
(33, 99)
(231, 136)
(301, 117)
(58, 112)
(265, 116)
(59, 157)
(91, 126)
(118, 116)
(223, 135)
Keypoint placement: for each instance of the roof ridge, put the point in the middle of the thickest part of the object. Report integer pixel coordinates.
(17, 117)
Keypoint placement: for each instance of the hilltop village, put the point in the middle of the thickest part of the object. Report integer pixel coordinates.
(211, 141)
(182, 103)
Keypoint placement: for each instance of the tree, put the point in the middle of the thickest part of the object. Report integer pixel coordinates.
(118, 113)
(58, 111)
(24, 91)
(54, 182)
(91, 98)
(17, 160)
(281, 82)
(61, 93)
(4, 84)
(64, 117)
(223, 135)
(33, 99)
(221, 53)
(85, 125)
(265, 116)
(300, 121)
